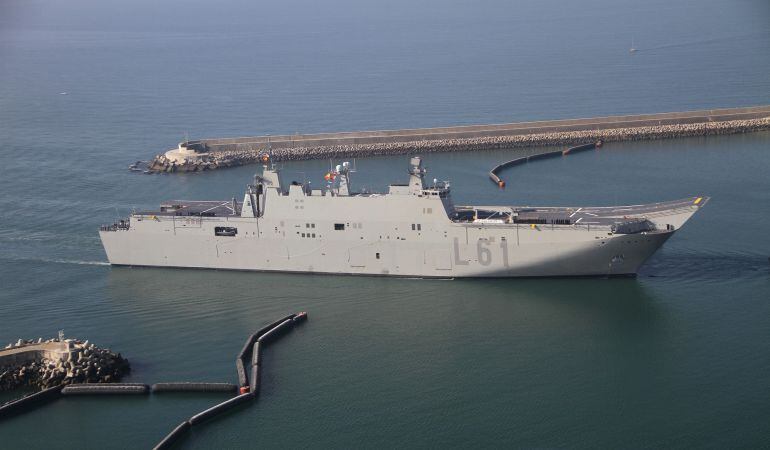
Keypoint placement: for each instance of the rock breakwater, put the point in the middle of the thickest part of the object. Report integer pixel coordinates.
(230, 155)
(44, 364)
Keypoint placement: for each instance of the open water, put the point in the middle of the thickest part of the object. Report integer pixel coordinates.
(677, 357)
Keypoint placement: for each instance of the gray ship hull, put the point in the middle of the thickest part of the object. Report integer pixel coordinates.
(412, 231)
(587, 260)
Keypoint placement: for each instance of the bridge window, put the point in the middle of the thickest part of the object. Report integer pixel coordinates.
(225, 231)
(339, 226)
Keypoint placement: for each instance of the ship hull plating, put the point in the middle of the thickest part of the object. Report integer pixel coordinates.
(412, 230)
(597, 254)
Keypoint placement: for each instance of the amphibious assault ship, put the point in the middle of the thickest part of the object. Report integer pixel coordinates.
(412, 230)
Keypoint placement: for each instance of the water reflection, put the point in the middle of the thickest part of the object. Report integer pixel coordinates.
(219, 306)
(398, 346)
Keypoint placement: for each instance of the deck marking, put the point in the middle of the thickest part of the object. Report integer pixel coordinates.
(578, 210)
(578, 221)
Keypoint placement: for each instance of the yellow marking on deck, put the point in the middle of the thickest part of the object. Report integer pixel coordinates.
(697, 200)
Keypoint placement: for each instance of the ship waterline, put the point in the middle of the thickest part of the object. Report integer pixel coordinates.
(413, 230)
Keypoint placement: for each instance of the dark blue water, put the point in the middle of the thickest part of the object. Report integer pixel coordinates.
(674, 358)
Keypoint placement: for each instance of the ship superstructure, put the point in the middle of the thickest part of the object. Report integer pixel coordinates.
(412, 230)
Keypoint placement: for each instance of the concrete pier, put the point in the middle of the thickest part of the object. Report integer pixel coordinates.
(207, 154)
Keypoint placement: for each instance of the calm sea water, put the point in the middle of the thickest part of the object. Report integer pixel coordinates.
(676, 357)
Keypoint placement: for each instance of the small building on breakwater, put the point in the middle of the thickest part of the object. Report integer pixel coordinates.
(207, 154)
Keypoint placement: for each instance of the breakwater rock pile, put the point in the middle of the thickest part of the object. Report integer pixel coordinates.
(162, 164)
(218, 155)
(45, 364)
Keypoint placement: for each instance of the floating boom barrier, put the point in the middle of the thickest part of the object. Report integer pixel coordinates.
(255, 360)
(18, 405)
(106, 389)
(174, 436)
(249, 388)
(193, 387)
(494, 173)
(220, 408)
(251, 353)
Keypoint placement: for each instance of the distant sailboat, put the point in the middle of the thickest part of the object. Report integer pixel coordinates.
(632, 49)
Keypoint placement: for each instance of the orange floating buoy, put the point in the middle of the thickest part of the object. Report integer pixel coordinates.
(501, 183)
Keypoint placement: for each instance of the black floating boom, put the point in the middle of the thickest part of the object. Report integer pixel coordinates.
(46, 395)
(174, 436)
(252, 349)
(220, 408)
(243, 379)
(193, 387)
(106, 389)
(494, 174)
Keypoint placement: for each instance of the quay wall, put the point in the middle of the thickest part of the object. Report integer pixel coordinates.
(227, 152)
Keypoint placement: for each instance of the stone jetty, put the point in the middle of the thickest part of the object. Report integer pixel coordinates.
(44, 364)
(208, 154)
